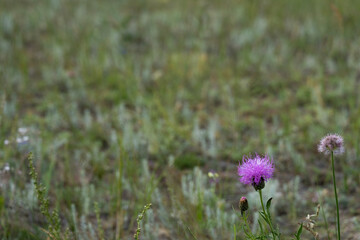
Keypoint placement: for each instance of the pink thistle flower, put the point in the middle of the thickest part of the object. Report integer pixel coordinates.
(256, 170)
(331, 143)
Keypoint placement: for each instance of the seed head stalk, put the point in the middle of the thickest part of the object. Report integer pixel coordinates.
(336, 197)
(333, 144)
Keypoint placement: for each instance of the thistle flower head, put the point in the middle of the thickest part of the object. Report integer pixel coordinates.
(331, 143)
(256, 170)
(243, 205)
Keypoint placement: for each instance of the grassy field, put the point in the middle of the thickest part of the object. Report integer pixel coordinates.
(123, 103)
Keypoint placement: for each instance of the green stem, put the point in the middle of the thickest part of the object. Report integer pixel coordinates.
(234, 231)
(247, 226)
(269, 219)
(336, 197)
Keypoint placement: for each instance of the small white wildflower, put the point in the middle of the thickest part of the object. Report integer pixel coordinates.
(7, 167)
(22, 130)
(6, 142)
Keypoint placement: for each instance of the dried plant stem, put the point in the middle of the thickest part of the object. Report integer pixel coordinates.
(336, 197)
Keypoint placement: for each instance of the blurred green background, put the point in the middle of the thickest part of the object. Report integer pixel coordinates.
(129, 102)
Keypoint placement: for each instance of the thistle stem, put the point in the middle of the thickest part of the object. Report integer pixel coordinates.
(336, 197)
(265, 213)
(247, 226)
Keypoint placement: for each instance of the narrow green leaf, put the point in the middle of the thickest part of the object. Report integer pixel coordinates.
(234, 232)
(299, 231)
(264, 217)
(261, 227)
(268, 204)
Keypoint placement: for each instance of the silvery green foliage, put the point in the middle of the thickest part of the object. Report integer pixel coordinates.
(87, 194)
(75, 221)
(150, 226)
(213, 128)
(169, 218)
(26, 198)
(218, 219)
(293, 198)
(186, 112)
(353, 57)
(163, 213)
(131, 140)
(91, 231)
(9, 108)
(255, 225)
(146, 172)
(95, 156)
(299, 161)
(193, 185)
(206, 137)
(83, 229)
(198, 134)
(242, 37)
(150, 130)
(87, 119)
(83, 226)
